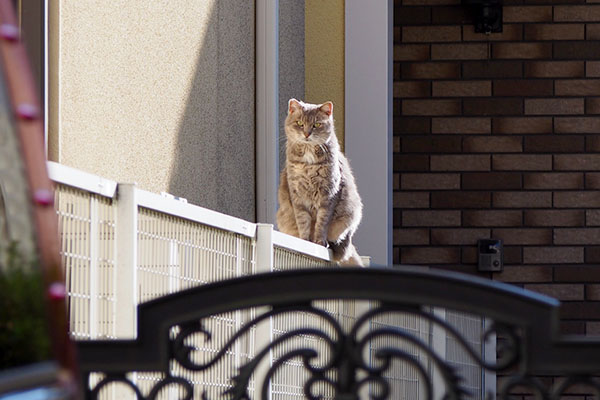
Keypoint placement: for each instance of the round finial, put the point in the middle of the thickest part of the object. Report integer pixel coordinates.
(43, 197)
(27, 111)
(57, 291)
(9, 32)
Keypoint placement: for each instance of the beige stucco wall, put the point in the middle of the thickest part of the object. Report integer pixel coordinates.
(157, 92)
(324, 56)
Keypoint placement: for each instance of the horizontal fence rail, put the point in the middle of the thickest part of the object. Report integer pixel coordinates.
(122, 246)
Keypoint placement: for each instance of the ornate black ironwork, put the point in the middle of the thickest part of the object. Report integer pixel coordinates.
(527, 323)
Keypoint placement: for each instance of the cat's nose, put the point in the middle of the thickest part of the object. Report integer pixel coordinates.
(306, 134)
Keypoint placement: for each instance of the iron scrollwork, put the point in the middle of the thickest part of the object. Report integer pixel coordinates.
(353, 361)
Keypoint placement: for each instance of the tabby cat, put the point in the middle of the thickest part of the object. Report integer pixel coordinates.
(318, 199)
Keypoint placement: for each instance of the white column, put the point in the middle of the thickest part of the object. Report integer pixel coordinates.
(264, 331)
(267, 97)
(94, 241)
(126, 254)
(368, 119)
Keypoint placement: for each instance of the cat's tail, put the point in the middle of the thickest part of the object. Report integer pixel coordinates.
(345, 254)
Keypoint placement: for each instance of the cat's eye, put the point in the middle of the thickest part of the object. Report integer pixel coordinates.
(300, 123)
(317, 124)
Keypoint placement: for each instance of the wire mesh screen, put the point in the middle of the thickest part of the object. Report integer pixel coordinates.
(471, 329)
(87, 239)
(175, 254)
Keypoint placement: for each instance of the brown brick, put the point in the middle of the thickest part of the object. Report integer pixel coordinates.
(461, 125)
(523, 236)
(554, 106)
(431, 144)
(580, 50)
(522, 162)
(462, 88)
(396, 181)
(411, 200)
(411, 52)
(523, 87)
(492, 69)
(431, 107)
(592, 69)
(458, 236)
(412, 89)
(575, 162)
(396, 144)
(412, 15)
(523, 273)
(573, 13)
(571, 328)
(592, 105)
(491, 180)
(519, 50)
(592, 144)
(407, 237)
(510, 32)
(396, 256)
(554, 217)
(554, 69)
(460, 162)
(592, 217)
(577, 199)
(552, 255)
(576, 235)
(411, 162)
(429, 2)
(522, 125)
(592, 180)
(580, 310)
(492, 144)
(577, 87)
(430, 255)
(592, 292)
(554, 144)
(493, 106)
(577, 124)
(397, 34)
(553, 180)
(430, 218)
(459, 51)
(564, 292)
(429, 181)
(521, 199)
(460, 200)
(431, 70)
(412, 125)
(592, 328)
(579, 273)
(432, 33)
(527, 13)
(592, 31)
(554, 32)
(451, 15)
(492, 218)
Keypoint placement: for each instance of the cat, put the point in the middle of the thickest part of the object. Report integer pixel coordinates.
(318, 198)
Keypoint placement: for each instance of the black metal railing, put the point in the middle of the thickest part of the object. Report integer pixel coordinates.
(526, 323)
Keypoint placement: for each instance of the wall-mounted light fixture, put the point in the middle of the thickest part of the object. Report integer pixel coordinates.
(487, 15)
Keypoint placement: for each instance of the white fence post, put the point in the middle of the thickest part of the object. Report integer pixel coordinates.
(126, 261)
(94, 283)
(264, 331)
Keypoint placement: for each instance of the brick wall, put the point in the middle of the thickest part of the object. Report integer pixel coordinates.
(495, 137)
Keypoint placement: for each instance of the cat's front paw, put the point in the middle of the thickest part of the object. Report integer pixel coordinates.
(322, 241)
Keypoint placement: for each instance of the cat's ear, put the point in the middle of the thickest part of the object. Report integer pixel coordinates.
(294, 105)
(327, 108)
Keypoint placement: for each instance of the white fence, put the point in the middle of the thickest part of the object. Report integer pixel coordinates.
(122, 246)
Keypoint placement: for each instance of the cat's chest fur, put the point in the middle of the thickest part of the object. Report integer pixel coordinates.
(312, 173)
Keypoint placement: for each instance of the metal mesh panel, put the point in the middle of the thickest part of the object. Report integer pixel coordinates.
(471, 329)
(403, 378)
(175, 254)
(284, 259)
(87, 236)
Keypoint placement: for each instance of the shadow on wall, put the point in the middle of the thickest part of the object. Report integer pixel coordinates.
(214, 164)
